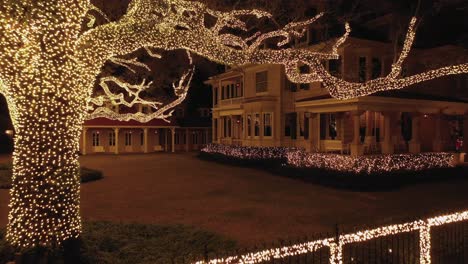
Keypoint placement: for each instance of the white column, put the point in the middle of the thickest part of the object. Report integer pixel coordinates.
(84, 150)
(116, 130)
(173, 139)
(145, 140)
(415, 144)
(387, 144)
(356, 147)
(213, 129)
(166, 140)
(437, 145)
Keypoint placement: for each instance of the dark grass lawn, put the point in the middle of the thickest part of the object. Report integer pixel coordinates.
(246, 205)
(112, 243)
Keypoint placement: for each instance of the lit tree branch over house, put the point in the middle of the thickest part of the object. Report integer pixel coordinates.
(51, 52)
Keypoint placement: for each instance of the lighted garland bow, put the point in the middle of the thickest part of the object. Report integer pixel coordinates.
(51, 52)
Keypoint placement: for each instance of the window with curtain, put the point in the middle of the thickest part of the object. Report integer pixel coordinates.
(96, 139)
(257, 125)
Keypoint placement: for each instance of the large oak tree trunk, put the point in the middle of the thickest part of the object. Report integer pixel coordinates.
(44, 206)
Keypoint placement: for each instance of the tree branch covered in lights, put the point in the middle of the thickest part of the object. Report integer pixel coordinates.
(52, 52)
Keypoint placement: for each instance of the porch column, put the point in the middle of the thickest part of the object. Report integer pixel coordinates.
(415, 144)
(145, 140)
(116, 131)
(356, 147)
(387, 144)
(173, 139)
(314, 133)
(369, 127)
(83, 151)
(187, 140)
(437, 145)
(213, 128)
(166, 140)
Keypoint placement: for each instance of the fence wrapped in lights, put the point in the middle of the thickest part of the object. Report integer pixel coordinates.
(336, 244)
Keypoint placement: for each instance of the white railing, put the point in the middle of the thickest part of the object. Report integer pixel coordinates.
(336, 244)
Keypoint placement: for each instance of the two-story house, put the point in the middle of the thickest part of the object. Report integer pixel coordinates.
(255, 105)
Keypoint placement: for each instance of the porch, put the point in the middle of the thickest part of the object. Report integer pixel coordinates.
(380, 125)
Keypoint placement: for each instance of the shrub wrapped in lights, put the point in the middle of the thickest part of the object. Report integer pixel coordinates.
(376, 164)
(253, 154)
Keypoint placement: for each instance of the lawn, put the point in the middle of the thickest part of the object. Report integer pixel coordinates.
(116, 243)
(87, 175)
(246, 205)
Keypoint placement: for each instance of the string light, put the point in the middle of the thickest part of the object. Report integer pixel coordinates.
(336, 245)
(51, 52)
(342, 163)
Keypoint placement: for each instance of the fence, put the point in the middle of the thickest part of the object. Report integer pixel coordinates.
(442, 239)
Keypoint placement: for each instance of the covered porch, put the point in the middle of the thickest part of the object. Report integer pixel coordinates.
(383, 125)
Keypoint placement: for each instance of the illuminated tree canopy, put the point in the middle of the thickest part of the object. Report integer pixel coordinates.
(52, 51)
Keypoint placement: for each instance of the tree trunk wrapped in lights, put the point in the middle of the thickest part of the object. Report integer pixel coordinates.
(51, 52)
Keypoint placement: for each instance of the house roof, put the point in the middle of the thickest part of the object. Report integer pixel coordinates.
(104, 122)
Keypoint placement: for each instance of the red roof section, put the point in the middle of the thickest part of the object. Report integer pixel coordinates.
(115, 123)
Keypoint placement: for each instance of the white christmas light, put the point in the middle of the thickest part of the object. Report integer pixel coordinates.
(336, 244)
(51, 52)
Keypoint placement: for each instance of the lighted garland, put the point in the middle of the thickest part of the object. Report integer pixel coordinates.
(376, 164)
(370, 164)
(51, 52)
(336, 245)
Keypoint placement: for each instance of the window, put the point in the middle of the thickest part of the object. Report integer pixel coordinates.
(177, 138)
(227, 126)
(290, 125)
(313, 36)
(362, 69)
(128, 139)
(222, 92)
(306, 125)
(233, 91)
(112, 139)
(239, 90)
(257, 125)
(291, 86)
(267, 127)
(142, 138)
(376, 68)
(261, 81)
(249, 125)
(334, 67)
(195, 138)
(96, 141)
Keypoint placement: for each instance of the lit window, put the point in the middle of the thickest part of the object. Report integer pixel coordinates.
(96, 141)
(261, 81)
(128, 139)
(249, 125)
(257, 125)
(112, 139)
(267, 125)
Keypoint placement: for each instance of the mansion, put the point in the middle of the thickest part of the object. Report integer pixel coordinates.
(256, 105)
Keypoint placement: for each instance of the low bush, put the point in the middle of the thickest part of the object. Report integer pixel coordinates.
(367, 173)
(113, 243)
